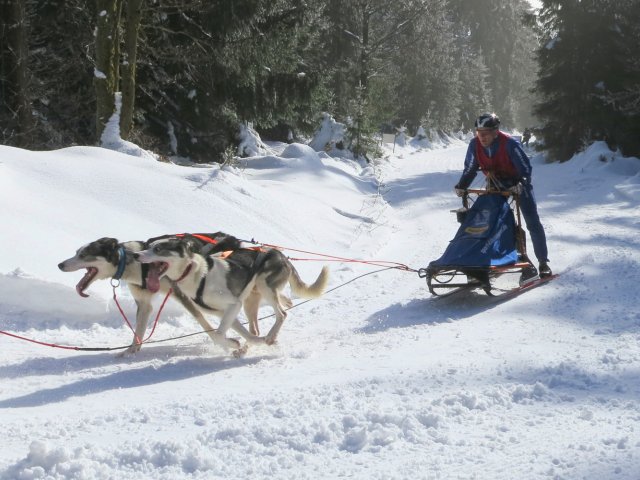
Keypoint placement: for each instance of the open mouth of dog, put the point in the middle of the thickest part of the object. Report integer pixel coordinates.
(86, 281)
(156, 270)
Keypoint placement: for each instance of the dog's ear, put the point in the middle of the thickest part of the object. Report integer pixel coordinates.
(108, 242)
(191, 246)
(109, 249)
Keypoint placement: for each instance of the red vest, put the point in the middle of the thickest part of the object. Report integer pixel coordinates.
(500, 165)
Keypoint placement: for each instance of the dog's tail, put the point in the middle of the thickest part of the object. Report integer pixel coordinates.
(301, 289)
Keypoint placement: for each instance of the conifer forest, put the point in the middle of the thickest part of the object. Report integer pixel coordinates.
(184, 74)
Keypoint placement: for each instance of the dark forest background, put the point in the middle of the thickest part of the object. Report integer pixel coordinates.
(190, 71)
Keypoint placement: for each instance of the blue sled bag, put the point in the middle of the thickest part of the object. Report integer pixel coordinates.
(486, 237)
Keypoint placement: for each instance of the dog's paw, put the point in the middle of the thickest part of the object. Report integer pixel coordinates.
(254, 330)
(132, 350)
(231, 344)
(270, 340)
(241, 352)
(257, 340)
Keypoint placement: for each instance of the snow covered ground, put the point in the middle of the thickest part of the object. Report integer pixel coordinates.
(373, 381)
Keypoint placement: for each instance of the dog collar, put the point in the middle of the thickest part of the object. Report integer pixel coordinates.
(122, 263)
(185, 273)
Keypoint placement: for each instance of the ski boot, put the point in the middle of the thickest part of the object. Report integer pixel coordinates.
(528, 274)
(544, 270)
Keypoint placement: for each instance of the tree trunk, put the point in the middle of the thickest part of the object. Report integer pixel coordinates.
(13, 70)
(106, 69)
(363, 73)
(134, 12)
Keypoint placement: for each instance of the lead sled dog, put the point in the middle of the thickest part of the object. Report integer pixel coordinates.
(107, 258)
(223, 283)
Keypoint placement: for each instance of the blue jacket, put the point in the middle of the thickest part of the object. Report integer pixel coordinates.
(518, 158)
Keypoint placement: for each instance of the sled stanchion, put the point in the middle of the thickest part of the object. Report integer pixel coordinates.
(520, 233)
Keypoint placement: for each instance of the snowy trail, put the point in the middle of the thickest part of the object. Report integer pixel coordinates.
(373, 381)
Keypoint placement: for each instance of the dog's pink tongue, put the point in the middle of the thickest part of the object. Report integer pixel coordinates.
(85, 281)
(80, 290)
(153, 277)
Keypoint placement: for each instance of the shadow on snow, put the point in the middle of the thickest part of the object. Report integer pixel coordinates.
(131, 378)
(428, 311)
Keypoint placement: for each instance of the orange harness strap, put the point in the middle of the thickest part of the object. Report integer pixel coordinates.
(227, 253)
(204, 238)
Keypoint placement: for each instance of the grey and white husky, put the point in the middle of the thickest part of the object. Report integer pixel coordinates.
(223, 283)
(107, 258)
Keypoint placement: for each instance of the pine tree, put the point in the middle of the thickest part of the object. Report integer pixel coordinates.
(428, 90)
(337, 24)
(60, 94)
(213, 64)
(475, 96)
(580, 62)
(15, 101)
(622, 91)
(371, 72)
(497, 29)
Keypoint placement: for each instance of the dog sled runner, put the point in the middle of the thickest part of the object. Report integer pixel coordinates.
(490, 244)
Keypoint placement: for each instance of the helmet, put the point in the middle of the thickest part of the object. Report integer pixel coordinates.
(487, 120)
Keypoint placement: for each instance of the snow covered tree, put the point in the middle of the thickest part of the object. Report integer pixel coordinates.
(116, 43)
(107, 55)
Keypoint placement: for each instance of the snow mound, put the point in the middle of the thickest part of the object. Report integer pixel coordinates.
(112, 140)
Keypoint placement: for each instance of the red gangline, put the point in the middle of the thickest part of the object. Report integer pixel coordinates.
(377, 263)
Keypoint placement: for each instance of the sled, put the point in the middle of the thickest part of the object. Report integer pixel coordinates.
(490, 243)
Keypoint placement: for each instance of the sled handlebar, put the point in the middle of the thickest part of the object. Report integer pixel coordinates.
(482, 191)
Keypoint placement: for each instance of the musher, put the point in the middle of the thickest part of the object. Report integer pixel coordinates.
(493, 151)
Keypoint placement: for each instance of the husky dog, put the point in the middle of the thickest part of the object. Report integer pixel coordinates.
(224, 282)
(106, 258)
